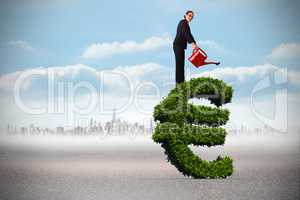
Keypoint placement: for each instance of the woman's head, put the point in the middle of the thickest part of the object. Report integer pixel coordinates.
(189, 15)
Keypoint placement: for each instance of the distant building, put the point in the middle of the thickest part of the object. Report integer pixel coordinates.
(60, 130)
(78, 130)
(114, 115)
(24, 130)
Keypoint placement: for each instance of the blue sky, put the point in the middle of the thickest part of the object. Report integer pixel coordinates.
(59, 31)
(253, 34)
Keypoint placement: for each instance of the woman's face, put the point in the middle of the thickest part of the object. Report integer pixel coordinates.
(189, 16)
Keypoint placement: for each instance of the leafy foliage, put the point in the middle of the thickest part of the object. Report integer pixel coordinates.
(181, 124)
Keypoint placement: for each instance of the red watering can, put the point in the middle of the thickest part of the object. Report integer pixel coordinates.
(198, 58)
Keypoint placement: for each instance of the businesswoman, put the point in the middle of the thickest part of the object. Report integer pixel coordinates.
(183, 36)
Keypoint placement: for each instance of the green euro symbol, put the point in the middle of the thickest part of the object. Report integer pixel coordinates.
(181, 124)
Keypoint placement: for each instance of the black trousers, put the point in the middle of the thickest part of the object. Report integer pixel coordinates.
(179, 60)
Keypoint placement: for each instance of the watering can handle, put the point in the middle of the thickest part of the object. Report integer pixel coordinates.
(196, 49)
(199, 49)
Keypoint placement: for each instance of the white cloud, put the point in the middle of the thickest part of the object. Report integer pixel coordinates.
(120, 77)
(210, 44)
(115, 97)
(240, 74)
(117, 93)
(115, 77)
(22, 44)
(294, 77)
(286, 50)
(98, 50)
(245, 74)
(7, 81)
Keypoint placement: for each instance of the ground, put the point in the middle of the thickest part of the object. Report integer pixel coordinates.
(138, 170)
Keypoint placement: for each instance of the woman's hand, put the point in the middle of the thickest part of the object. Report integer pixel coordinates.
(194, 46)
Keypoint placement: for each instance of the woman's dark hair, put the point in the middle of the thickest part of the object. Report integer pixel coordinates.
(187, 12)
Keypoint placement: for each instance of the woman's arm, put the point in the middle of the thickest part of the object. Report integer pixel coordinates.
(188, 35)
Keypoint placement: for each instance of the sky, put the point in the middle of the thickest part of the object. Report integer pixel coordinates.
(124, 50)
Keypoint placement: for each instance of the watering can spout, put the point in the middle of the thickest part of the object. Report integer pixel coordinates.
(198, 58)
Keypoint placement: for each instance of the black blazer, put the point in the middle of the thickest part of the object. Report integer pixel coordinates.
(183, 34)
